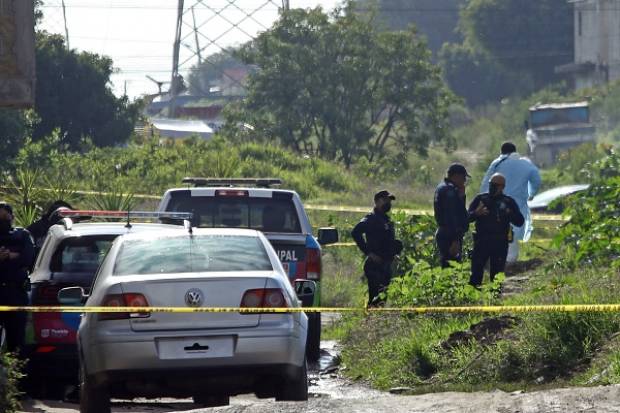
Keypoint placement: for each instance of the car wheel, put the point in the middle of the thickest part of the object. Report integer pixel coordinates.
(295, 389)
(313, 342)
(212, 401)
(93, 398)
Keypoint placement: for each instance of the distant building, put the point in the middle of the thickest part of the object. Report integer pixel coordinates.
(597, 43)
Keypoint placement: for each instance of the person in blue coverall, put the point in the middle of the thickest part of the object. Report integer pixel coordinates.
(522, 183)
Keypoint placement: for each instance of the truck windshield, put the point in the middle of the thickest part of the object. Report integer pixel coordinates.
(262, 214)
(545, 117)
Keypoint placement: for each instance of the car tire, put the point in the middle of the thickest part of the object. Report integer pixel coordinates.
(313, 341)
(93, 398)
(211, 401)
(296, 389)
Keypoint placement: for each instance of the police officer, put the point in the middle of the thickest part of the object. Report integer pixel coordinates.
(38, 229)
(493, 213)
(16, 256)
(451, 214)
(374, 236)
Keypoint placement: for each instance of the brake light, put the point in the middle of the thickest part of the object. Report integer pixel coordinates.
(45, 349)
(264, 298)
(313, 264)
(231, 192)
(124, 300)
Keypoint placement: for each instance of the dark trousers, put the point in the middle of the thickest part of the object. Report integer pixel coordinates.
(378, 277)
(443, 246)
(493, 250)
(14, 323)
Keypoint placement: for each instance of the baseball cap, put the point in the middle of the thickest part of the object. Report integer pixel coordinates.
(384, 194)
(7, 207)
(458, 169)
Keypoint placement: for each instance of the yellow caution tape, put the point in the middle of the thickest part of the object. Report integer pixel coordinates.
(563, 308)
(310, 207)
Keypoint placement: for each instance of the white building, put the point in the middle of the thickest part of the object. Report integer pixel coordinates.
(597, 43)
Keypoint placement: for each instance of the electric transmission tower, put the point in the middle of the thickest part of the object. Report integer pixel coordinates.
(196, 32)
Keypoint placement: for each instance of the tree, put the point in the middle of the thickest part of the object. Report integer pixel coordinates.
(477, 77)
(73, 94)
(532, 37)
(337, 87)
(14, 126)
(203, 75)
(435, 19)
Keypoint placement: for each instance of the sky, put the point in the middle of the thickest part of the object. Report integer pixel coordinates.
(138, 34)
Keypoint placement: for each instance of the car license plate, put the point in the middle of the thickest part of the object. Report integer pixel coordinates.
(195, 347)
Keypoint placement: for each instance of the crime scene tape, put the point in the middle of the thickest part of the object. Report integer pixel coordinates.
(551, 308)
(311, 207)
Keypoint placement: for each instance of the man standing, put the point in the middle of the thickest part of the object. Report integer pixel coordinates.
(522, 183)
(375, 237)
(493, 213)
(16, 256)
(451, 214)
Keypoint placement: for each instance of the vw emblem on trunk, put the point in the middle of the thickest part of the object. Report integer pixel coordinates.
(194, 297)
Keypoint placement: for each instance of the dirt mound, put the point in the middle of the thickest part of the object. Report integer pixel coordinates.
(486, 331)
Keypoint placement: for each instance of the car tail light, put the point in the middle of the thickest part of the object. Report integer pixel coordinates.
(231, 192)
(313, 264)
(45, 349)
(264, 298)
(124, 300)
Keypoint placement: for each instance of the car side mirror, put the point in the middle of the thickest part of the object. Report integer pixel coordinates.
(305, 290)
(328, 236)
(72, 296)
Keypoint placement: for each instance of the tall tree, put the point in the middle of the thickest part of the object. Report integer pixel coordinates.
(336, 86)
(532, 37)
(73, 94)
(437, 20)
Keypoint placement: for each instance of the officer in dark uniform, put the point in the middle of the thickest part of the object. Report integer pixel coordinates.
(493, 213)
(451, 214)
(38, 229)
(374, 235)
(16, 256)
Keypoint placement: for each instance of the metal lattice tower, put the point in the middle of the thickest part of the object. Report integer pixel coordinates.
(195, 34)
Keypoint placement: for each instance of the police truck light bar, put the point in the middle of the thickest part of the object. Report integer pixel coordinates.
(69, 213)
(259, 182)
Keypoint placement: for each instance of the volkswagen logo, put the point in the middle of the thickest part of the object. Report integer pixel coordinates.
(194, 297)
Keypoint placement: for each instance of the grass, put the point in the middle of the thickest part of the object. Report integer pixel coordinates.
(542, 350)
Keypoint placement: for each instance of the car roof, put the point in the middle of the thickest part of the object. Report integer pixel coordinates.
(180, 231)
(545, 198)
(109, 228)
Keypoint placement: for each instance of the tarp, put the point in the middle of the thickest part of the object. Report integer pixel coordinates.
(17, 61)
(181, 128)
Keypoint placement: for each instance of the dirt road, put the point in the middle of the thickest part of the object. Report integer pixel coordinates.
(330, 393)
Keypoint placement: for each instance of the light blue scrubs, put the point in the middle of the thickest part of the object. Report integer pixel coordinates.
(522, 183)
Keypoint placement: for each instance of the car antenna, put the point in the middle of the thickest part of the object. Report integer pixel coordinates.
(128, 225)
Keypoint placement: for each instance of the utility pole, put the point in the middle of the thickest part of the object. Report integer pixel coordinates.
(64, 15)
(286, 5)
(198, 52)
(175, 81)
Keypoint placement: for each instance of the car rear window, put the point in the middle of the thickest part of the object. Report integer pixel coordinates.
(262, 214)
(199, 253)
(81, 254)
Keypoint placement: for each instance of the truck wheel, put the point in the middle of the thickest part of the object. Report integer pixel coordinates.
(93, 398)
(313, 342)
(295, 390)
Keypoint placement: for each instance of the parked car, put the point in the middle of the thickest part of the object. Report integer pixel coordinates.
(278, 213)
(70, 256)
(207, 356)
(546, 201)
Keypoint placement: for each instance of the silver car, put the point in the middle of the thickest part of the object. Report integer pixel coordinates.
(207, 356)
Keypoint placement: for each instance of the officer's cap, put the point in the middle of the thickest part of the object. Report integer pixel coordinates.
(458, 169)
(384, 194)
(8, 208)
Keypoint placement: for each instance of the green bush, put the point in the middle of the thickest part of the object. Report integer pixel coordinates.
(10, 374)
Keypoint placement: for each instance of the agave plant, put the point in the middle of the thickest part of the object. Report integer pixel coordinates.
(112, 201)
(25, 215)
(23, 189)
